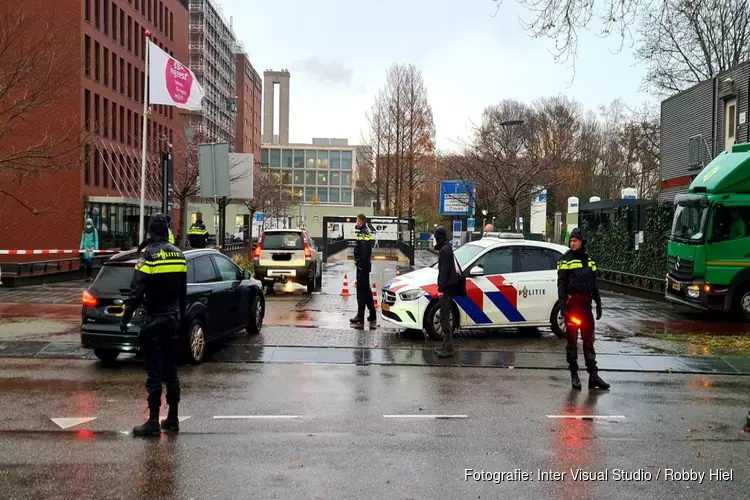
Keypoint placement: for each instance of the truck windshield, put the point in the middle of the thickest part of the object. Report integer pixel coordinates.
(689, 222)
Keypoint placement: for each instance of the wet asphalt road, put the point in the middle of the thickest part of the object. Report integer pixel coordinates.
(342, 446)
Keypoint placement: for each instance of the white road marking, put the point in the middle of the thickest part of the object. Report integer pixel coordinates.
(425, 416)
(613, 417)
(228, 417)
(183, 418)
(65, 422)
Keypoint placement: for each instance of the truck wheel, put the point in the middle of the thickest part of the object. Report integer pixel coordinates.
(743, 303)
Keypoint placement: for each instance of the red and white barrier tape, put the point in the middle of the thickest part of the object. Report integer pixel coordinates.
(53, 252)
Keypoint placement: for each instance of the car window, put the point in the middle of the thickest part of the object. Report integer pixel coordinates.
(191, 271)
(227, 269)
(283, 241)
(532, 259)
(498, 261)
(113, 280)
(205, 272)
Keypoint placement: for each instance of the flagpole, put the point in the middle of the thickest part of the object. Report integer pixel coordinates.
(143, 138)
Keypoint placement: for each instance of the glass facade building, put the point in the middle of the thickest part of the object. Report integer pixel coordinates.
(315, 174)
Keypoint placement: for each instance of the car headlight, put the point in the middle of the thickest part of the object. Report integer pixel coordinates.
(693, 291)
(411, 294)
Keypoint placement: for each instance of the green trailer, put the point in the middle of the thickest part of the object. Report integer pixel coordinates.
(708, 253)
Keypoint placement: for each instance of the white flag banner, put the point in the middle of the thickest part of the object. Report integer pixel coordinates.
(170, 82)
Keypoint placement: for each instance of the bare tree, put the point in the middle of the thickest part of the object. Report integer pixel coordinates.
(685, 42)
(400, 140)
(270, 196)
(34, 77)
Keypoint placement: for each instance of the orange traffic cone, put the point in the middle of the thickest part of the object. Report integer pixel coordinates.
(375, 296)
(345, 287)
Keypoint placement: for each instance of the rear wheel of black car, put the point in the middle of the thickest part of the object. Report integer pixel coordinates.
(319, 282)
(107, 355)
(195, 344)
(257, 313)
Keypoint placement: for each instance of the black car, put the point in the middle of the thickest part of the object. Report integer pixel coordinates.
(222, 299)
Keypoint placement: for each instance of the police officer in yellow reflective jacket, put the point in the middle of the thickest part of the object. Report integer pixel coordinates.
(170, 239)
(362, 256)
(197, 234)
(160, 285)
(576, 288)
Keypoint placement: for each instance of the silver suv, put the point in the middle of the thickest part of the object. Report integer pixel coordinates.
(288, 255)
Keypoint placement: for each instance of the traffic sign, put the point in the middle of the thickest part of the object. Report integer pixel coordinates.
(457, 198)
(470, 225)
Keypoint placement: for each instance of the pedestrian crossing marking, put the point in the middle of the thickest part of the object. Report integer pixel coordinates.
(66, 422)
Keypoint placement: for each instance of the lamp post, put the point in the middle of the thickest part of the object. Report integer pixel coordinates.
(484, 220)
(514, 123)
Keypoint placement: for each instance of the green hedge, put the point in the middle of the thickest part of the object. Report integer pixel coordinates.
(612, 243)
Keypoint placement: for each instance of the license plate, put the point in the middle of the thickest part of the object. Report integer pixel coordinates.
(676, 286)
(386, 307)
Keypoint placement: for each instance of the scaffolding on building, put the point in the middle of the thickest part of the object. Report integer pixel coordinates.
(213, 45)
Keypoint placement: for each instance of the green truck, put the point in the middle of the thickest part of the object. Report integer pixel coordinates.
(708, 253)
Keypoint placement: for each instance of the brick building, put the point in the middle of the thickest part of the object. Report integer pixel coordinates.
(104, 102)
(249, 89)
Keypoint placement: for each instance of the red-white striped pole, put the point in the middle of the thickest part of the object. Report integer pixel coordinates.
(53, 252)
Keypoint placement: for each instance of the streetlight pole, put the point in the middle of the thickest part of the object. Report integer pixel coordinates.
(514, 123)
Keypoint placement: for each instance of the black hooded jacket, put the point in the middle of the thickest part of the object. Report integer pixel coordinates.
(447, 277)
(576, 275)
(160, 279)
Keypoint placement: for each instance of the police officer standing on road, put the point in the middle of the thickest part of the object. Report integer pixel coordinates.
(170, 239)
(362, 256)
(197, 234)
(447, 289)
(160, 284)
(576, 288)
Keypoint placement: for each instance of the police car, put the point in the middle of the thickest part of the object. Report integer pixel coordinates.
(510, 282)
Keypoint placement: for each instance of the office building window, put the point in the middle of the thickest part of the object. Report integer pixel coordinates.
(86, 164)
(105, 119)
(105, 21)
(286, 178)
(346, 179)
(106, 67)
(299, 178)
(275, 158)
(334, 195)
(264, 157)
(87, 55)
(96, 61)
(122, 125)
(130, 34)
(299, 158)
(309, 178)
(87, 110)
(97, 166)
(96, 113)
(310, 154)
(122, 76)
(96, 13)
(114, 71)
(346, 196)
(286, 158)
(309, 194)
(122, 28)
(322, 162)
(346, 160)
(335, 178)
(335, 161)
(323, 195)
(322, 178)
(87, 7)
(114, 121)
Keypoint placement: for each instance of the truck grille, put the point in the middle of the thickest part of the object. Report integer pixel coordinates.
(389, 297)
(680, 269)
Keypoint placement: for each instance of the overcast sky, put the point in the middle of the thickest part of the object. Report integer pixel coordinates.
(338, 52)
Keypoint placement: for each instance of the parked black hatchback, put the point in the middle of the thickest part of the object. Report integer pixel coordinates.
(222, 299)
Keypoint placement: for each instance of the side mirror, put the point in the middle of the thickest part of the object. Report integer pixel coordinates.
(476, 271)
(240, 274)
(247, 275)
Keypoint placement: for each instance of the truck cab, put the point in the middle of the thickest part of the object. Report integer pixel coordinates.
(708, 252)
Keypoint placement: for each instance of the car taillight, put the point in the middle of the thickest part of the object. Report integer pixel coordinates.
(308, 252)
(258, 248)
(89, 300)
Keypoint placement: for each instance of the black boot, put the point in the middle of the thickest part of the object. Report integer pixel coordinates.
(575, 380)
(595, 382)
(373, 317)
(171, 423)
(356, 320)
(150, 427)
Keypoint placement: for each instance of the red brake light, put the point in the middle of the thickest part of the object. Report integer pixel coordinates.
(258, 247)
(308, 252)
(89, 300)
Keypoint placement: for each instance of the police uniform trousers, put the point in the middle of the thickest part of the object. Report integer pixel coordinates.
(364, 294)
(159, 339)
(579, 306)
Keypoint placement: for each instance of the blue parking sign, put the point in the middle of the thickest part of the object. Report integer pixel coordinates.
(470, 225)
(457, 225)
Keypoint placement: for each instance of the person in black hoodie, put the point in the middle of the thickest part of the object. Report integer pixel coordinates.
(447, 288)
(576, 288)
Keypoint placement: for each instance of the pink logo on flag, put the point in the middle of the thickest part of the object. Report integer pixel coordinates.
(179, 81)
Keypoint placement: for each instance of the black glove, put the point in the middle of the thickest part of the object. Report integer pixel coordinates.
(123, 327)
(598, 311)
